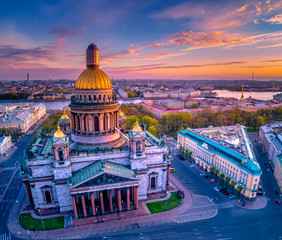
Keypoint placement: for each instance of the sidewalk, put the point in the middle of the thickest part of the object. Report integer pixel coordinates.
(259, 203)
(98, 228)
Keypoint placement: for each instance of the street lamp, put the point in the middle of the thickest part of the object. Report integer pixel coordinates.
(166, 202)
(41, 219)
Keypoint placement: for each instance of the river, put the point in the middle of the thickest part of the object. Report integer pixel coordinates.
(256, 95)
(221, 93)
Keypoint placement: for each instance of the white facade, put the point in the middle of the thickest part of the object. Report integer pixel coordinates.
(22, 117)
(5, 144)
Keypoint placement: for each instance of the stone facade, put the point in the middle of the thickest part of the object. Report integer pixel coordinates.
(94, 167)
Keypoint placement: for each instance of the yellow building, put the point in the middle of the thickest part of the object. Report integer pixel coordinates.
(229, 150)
(278, 171)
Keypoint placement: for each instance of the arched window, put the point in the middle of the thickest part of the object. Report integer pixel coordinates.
(48, 198)
(61, 154)
(95, 98)
(138, 147)
(85, 122)
(153, 182)
(105, 122)
(96, 123)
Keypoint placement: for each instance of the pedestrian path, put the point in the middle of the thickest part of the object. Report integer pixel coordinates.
(5, 236)
(202, 208)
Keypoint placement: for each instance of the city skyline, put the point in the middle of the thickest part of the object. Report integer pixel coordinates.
(152, 39)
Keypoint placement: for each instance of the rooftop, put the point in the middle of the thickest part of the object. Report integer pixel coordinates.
(230, 141)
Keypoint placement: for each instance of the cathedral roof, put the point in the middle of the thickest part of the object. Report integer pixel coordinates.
(93, 77)
(97, 168)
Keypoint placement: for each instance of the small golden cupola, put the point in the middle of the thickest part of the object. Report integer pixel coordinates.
(93, 77)
(59, 133)
(65, 116)
(136, 127)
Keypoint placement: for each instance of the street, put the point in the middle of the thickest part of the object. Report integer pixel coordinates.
(230, 223)
(11, 181)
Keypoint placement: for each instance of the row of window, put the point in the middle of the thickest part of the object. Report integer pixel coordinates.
(105, 97)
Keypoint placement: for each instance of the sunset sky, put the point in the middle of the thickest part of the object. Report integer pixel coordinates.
(142, 39)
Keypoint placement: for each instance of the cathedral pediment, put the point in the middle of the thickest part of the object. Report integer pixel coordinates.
(101, 173)
(103, 179)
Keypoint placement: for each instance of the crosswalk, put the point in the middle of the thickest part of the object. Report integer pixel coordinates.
(5, 236)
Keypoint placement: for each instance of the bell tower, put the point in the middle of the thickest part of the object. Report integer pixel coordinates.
(137, 142)
(60, 147)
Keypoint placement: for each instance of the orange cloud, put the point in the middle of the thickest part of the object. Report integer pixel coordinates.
(276, 19)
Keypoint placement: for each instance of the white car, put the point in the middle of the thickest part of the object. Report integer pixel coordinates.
(216, 189)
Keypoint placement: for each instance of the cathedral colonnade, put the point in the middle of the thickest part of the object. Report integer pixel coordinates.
(105, 201)
(97, 123)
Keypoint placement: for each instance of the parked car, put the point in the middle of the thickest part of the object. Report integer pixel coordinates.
(172, 170)
(226, 193)
(206, 176)
(212, 181)
(216, 189)
(260, 193)
(223, 189)
(231, 197)
(192, 165)
(277, 201)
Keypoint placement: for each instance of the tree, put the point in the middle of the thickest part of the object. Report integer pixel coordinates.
(222, 177)
(227, 181)
(189, 154)
(194, 105)
(180, 148)
(221, 120)
(153, 131)
(216, 173)
(130, 121)
(149, 121)
(212, 170)
(239, 190)
(186, 153)
(260, 121)
(233, 183)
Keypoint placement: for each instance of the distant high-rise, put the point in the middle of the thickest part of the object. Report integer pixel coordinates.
(27, 76)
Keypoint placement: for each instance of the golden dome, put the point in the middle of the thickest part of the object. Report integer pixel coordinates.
(65, 116)
(93, 78)
(59, 133)
(121, 114)
(137, 128)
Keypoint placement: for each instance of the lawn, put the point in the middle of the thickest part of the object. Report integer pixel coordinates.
(160, 206)
(28, 222)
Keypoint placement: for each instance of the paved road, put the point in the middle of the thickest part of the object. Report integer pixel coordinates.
(230, 223)
(11, 182)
